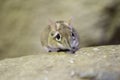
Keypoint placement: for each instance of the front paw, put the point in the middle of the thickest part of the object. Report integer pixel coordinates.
(49, 49)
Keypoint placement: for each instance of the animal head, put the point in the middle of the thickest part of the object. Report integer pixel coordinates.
(63, 36)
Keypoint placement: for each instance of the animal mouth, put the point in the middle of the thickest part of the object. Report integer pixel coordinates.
(63, 50)
(66, 50)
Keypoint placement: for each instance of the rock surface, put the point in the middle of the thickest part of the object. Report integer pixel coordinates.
(92, 63)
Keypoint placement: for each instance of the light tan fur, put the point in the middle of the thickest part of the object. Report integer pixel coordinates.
(60, 36)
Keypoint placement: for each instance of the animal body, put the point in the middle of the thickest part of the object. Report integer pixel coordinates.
(60, 36)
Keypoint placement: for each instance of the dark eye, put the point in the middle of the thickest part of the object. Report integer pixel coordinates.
(73, 34)
(58, 37)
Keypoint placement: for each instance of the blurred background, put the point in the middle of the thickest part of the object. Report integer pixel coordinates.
(21, 21)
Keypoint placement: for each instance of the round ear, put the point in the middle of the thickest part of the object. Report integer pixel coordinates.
(70, 22)
(51, 21)
(52, 25)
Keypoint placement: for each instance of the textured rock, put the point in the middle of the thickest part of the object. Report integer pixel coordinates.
(93, 63)
(21, 22)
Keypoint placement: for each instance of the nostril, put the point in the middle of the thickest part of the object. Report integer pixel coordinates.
(73, 47)
(49, 51)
